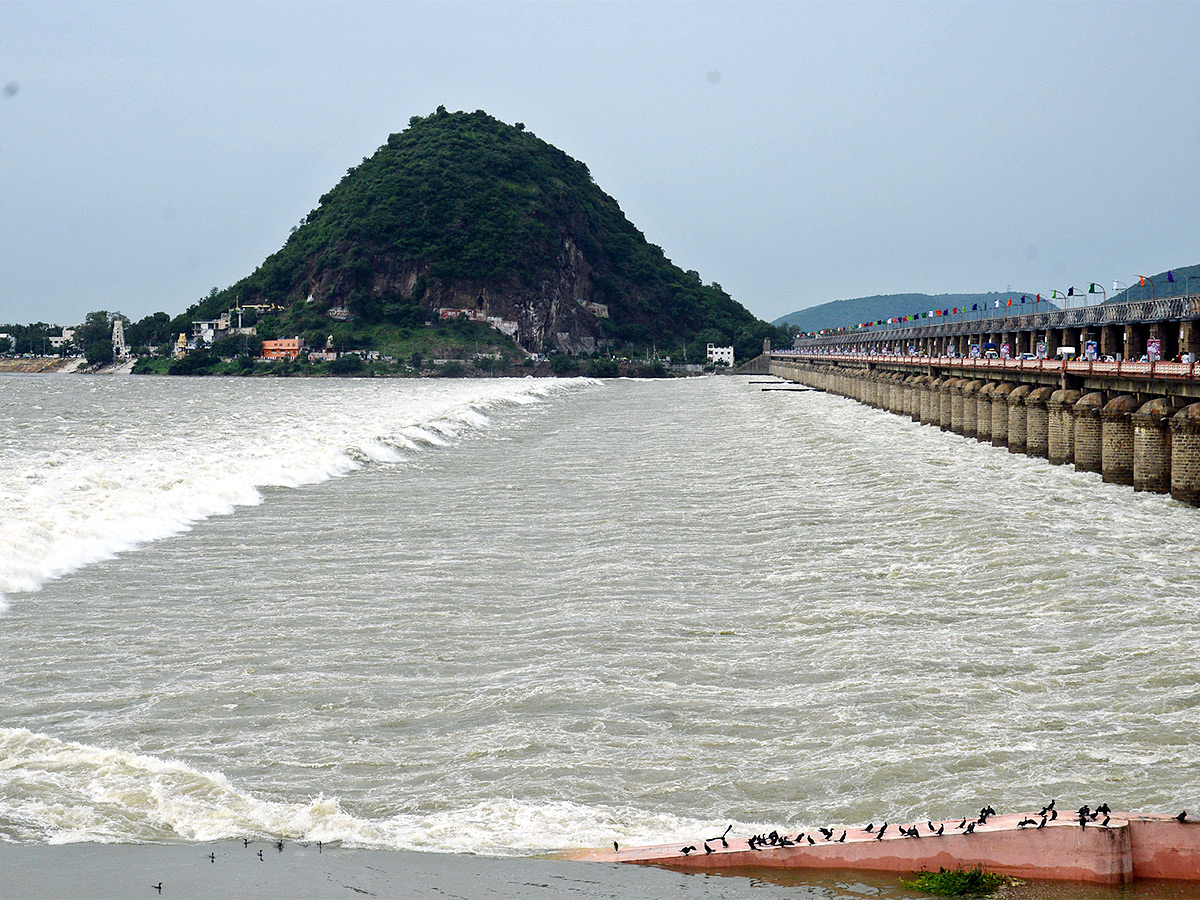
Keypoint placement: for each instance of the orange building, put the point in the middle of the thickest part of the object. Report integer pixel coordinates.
(284, 348)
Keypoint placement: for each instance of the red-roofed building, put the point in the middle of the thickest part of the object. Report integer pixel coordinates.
(284, 348)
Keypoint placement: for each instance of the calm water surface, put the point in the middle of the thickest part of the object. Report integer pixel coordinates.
(515, 617)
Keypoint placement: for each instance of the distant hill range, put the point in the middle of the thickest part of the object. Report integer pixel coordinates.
(881, 307)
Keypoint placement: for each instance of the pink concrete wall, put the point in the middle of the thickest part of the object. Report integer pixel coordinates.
(1165, 848)
(1133, 845)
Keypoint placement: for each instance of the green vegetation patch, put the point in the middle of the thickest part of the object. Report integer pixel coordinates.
(152, 365)
(956, 882)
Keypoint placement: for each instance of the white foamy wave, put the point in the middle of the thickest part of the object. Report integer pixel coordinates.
(115, 480)
(54, 791)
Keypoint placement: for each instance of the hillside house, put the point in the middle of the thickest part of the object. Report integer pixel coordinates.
(720, 355)
(284, 348)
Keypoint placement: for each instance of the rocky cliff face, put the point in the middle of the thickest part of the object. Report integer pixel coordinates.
(560, 312)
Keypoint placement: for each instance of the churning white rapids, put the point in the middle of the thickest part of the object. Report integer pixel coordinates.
(515, 616)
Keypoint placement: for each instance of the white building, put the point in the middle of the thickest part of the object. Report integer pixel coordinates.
(720, 355)
(210, 331)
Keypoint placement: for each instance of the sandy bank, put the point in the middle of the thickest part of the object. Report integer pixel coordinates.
(39, 365)
(53, 365)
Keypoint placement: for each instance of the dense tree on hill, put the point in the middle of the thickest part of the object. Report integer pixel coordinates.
(200, 362)
(152, 331)
(463, 211)
(96, 328)
(235, 345)
(99, 352)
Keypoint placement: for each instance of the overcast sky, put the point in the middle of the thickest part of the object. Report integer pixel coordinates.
(794, 152)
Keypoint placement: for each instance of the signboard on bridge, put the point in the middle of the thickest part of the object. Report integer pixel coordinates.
(1091, 350)
(1154, 350)
(974, 351)
(1005, 350)
(1041, 349)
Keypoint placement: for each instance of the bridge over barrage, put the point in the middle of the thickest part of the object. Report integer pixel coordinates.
(1122, 331)
(1134, 421)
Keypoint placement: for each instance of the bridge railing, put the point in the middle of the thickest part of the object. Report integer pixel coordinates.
(1141, 371)
(1160, 310)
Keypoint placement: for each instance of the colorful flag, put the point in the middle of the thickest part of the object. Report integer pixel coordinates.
(1170, 276)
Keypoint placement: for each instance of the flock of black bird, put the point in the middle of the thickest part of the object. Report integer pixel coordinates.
(212, 857)
(1048, 813)
(757, 842)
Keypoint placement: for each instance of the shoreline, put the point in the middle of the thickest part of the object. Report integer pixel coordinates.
(260, 869)
(235, 870)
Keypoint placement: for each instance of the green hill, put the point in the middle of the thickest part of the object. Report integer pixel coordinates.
(881, 307)
(463, 214)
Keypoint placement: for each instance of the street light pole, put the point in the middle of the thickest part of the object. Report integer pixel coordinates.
(1153, 289)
